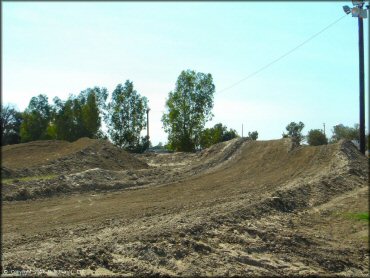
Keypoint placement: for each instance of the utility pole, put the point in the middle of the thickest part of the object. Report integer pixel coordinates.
(324, 129)
(242, 130)
(361, 13)
(147, 122)
(362, 83)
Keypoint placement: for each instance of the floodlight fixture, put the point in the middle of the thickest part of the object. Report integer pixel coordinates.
(358, 12)
(355, 12)
(361, 13)
(347, 9)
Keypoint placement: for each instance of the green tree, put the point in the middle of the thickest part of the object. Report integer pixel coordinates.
(216, 134)
(252, 135)
(211, 136)
(64, 120)
(36, 119)
(294, 132)
(127, 118)
(51, 131)
(205, 139)
(90, 116)
(316, 137)
(229, 134)
(100, 94)
(345, 132)
(11, 120)
(80, 116)
(188, 109)
(79, 127)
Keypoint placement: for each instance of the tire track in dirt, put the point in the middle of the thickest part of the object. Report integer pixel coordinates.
(257, 214)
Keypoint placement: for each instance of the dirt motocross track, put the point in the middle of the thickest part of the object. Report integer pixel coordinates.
(238, 208)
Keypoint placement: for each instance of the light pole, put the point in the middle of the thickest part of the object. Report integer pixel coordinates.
(147, 122)
(358, 11)
(324, 129)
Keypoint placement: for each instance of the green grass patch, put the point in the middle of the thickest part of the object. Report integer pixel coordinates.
(359, 216)
(26, 179)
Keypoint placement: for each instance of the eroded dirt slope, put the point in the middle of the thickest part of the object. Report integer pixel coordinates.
(61, 157)
(99, 166)
(240, 208)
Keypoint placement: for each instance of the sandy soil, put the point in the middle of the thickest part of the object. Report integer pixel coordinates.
(239, 208)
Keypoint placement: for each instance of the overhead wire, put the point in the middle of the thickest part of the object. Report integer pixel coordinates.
(282, 56)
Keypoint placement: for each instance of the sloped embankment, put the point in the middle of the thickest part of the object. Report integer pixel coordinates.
(91, 165)
(280, 179)
(57, 167)
(270, 210)
(60, 157)
(189, 164)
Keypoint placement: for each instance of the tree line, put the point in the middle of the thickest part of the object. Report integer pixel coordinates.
(316, 137)
(188, 108)
(79, 116)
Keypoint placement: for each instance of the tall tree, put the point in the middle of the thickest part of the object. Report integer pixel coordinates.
(11, 120)
(295, 132)
(90, 116)
(345, 132)
(80, 116)
(36, 119)
(79, 128)
(64, 119)
(189, 107)
(127, 118)
(101, 95)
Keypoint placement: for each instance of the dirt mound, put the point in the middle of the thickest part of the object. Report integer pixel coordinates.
(59, 157)
(262, 162)
(193, 163)
(240, 208)
(48, 180)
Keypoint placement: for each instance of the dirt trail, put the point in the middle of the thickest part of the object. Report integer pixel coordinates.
(92, 168)
(239, 208)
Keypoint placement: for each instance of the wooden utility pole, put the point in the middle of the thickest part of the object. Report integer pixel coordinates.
(242, 130)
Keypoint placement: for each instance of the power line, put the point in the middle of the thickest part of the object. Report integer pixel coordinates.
(283, 56)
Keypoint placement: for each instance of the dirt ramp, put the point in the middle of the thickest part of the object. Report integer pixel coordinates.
(268, 210)
(40, 152)
(190, 164)
(275, 161)
(286, 180)
(60, 157)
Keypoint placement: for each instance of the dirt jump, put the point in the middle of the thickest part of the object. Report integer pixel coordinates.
(246, 208)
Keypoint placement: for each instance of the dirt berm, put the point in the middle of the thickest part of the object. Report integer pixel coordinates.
(61, 167)
(60, 157)
(242, 208)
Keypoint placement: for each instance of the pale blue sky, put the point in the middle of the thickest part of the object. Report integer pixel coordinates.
(62, 48)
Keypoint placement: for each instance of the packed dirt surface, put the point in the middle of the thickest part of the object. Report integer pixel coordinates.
(238, 208)
(62, 167)
(58, 157)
